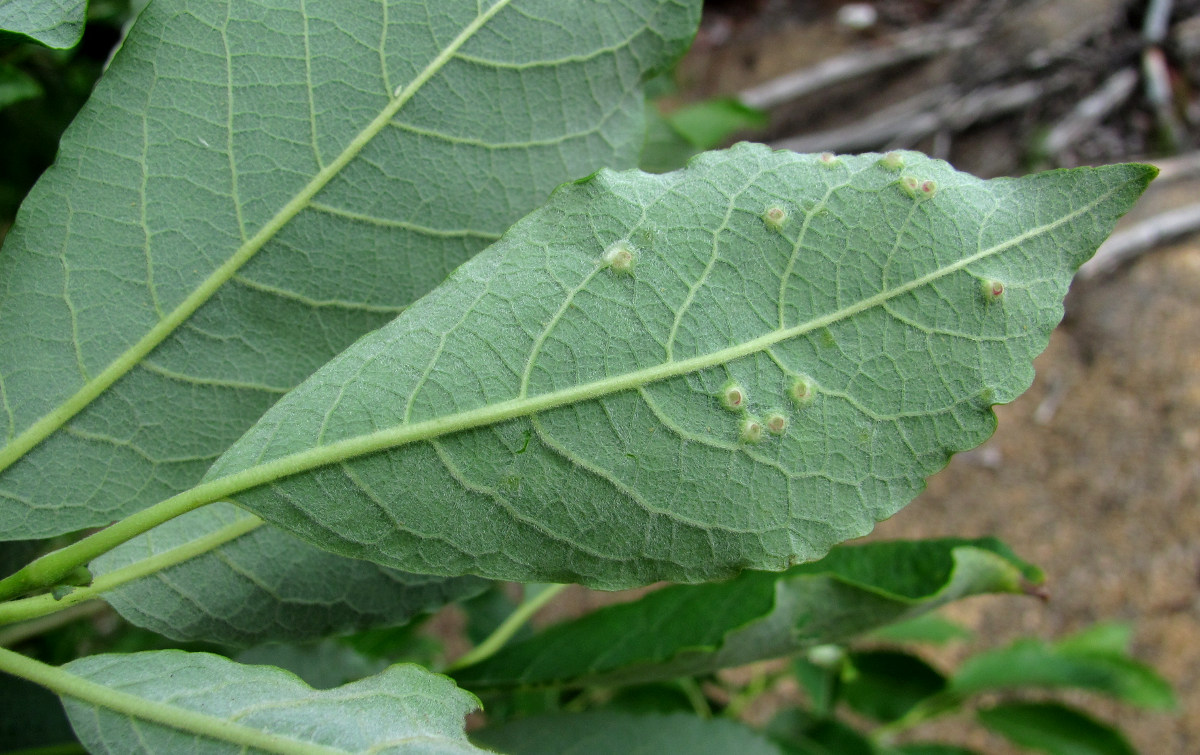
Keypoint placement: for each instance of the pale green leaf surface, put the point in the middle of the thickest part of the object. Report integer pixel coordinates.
(404, 709)
(605, 733)
(252, 186)
(694, 629)
(543, 417)
(54, 23)
(266, 585)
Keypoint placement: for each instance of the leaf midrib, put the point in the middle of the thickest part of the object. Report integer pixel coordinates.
(131, 357)
(521, 406)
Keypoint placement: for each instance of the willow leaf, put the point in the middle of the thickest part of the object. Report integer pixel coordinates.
(687, 630)
(560, 408)
(54, 23)
(173, 701)
(264, 585)
(254, 185)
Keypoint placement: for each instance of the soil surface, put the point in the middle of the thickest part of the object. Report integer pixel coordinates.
(1094, 474)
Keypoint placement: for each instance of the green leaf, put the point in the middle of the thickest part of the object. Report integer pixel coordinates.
(265, 585)
(927, 748)
(16, 85)
(663, 150)
(886, 684)
(929, 628)
(821, 682)
(673, 139)
(252, 186)
(1095, 661)
(54, 23)
(550, 414)
(32, 717)
(710, 123)
(688, 630)
(1055, 729)
(322, 665)
(659, 697)
(801, 733)
(172, 701)
(1105, 637)
(606, 732)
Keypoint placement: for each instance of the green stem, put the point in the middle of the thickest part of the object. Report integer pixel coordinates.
(507, 629)
(22, 632)
(42, 605)
(931, 707)
(759, 684)
(201, 725)
(695, 695)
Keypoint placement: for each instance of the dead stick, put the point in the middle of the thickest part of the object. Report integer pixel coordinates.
(922, 43)
(1126, 244)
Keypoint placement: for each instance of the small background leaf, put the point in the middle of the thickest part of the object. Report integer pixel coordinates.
(928, 628)
(403, 709)
(673, 139)
(1055, 729)
(927, 748)
(605, 732)
(886, 684)
(1095, 661)
(800, 733)
(16, 85)
(688, 630)
(54, 23)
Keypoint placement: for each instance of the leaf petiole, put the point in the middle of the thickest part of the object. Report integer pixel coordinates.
(42, 605)
(507, 629)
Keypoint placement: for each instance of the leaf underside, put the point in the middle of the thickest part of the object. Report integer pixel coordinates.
(54, 23)
(402, 709)
(545, 415)
(211, 124)
(251, 187)
(266, 585)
